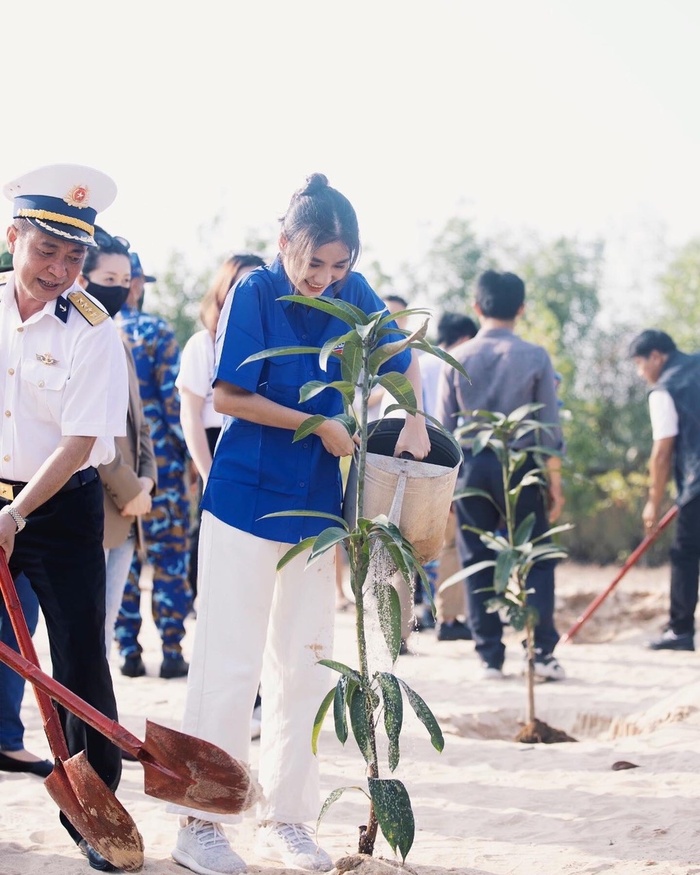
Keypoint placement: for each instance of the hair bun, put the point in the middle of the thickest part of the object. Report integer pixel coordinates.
(315, 183)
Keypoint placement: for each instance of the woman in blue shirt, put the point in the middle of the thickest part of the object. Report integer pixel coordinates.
(284, 621)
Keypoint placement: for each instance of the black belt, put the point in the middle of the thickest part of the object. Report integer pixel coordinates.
(10, 489)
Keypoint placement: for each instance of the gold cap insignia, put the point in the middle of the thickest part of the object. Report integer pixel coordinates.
(78, 196)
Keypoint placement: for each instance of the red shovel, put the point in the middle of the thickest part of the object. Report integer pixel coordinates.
(74, 785)
(633, 557)
(177, 767)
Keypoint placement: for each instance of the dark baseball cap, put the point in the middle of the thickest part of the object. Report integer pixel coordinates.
(137, 270)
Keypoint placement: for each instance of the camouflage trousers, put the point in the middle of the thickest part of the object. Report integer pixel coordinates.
(166, 550)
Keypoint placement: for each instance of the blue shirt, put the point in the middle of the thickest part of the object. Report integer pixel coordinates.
(257, 469)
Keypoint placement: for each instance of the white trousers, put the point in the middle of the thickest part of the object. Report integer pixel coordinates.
(256, 625)
(117, 562)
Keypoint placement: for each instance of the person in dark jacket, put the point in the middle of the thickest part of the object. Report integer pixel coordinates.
(674, 409)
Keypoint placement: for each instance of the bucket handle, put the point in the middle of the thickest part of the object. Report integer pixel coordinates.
(395, 510)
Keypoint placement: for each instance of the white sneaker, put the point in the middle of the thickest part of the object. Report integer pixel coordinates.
(291, 844)
(202, 846)
(255, 723)
(490, 673)
(546, 668)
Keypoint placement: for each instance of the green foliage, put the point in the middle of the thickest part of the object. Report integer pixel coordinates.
(176, 297)
(360, 697)
(516, 551)
(680, 289)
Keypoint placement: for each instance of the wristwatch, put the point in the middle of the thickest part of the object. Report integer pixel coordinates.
(20, 521)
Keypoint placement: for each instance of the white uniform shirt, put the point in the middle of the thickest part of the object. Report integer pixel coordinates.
(57, 379)
(197, 374)
(663, 415)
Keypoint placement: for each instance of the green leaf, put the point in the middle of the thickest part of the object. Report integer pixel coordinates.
(425, 715)
(351, 360)
(459, 576)
(330, 347)
(340, 701)
(445, 356)
(342, 310)
(306, 544)
(360, 723)
(384, 353)
(315, 513)
(280, 350)
(389, 611)
(399, 387)
(308, 427)
(319, 718)
(565, 527)
(393, 714)
(343, 669)
(521, 412)
(315, 387)
(392, 807)
(325, 540)
(333, 797)
(524, 530)
(504, 565)
(481, 441)
(473, 492)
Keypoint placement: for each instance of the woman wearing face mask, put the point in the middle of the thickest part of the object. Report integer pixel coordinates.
(130, 479)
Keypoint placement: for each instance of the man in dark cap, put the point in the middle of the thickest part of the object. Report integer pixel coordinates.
(64, 397)
(674, 408)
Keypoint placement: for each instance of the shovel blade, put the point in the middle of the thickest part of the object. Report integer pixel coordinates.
(95, 812)
(195, 773)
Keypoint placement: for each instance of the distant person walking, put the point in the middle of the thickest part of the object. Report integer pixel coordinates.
(505, 373)
(453, 329)
(674, 409)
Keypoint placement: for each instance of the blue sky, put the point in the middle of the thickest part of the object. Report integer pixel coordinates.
(560, 116)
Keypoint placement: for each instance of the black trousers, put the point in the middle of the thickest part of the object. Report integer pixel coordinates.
(685, 565)
(212, 437)
(60, 551)
(483, 471)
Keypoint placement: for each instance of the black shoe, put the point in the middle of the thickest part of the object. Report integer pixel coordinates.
(454, 631)
(133, 666)
(95, 859)
(40, 768)
(669, 640)
(174, 667)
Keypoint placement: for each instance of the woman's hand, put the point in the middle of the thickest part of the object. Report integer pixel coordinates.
(414, 438)
(335, 438)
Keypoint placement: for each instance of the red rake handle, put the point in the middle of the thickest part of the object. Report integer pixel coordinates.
(52, 723)
(632, 560)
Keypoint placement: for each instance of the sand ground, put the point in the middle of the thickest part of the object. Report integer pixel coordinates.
(486, 805)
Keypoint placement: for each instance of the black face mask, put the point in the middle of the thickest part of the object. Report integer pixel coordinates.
(112, 298)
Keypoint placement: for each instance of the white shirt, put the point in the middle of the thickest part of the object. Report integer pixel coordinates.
(197, 374)
(57, 379)
(430, 369)
(663, 415)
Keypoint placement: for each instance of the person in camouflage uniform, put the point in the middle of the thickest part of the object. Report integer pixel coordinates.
(165, 528)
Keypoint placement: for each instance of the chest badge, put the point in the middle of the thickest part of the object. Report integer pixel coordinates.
(46, 358)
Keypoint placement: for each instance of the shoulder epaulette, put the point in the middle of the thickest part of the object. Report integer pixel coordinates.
(87, 308)
(4, 277)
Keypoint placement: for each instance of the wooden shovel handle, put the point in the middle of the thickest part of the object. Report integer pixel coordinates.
(52, 723)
